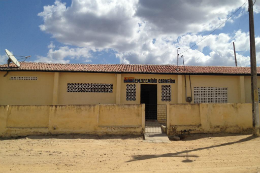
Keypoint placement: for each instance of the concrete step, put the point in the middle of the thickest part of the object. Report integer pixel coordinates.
(156, 137)
(153, 132)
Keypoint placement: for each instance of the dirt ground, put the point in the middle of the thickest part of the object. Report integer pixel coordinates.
(84, 153)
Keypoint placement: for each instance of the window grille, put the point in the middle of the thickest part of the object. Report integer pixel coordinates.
(89, 87)
(130, 92)
(23, 78)
(166, 92)
(210, 95)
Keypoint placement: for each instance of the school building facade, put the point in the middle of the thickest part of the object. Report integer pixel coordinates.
(153, 85)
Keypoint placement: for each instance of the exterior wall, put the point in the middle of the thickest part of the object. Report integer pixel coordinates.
(231, 82)
(3, 119)
(184, 114)
(26, 92)
(87, 119)
(72, 98)
(73, 119)
(51, 88)
(174, 89)
(210, 118)
(101, 119)
(22, 117)
(226, 117)
(248, 87)
(129, 115)
(161, 105)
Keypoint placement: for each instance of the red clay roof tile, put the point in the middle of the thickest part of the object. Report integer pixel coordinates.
(127, 68)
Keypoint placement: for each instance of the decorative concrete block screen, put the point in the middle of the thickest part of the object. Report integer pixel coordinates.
(23, 78)
(89, 87)
(166, 92)
(130, 92)
(161, 113)
(210, 95)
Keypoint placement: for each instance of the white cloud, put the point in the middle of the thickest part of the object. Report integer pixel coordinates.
(109, 24)
(144, 32)
(257, 6)
(220, 49)
(179, 17)
(60, 55)
(99, 24)
(257, 47)
(3, 59)
(51, 46)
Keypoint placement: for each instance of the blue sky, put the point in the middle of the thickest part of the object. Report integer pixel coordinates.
(131, 32)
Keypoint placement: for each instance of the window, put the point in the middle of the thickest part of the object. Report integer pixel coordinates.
(210, 95)
(130, 92)
(166, 92)
(90, 87)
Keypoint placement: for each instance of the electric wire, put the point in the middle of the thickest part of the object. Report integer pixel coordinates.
(241, 13)
(22, 58)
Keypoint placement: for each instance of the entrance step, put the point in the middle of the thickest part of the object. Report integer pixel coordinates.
(156, 138)
(153, 132)
(152, 127)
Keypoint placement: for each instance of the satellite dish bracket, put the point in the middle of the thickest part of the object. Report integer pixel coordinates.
(6, 73)
(9, 61)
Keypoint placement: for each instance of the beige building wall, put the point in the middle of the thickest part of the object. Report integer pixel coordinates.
(72, 98)
(26, 92)
(226, 117)
(22, 117)
(210, 118)
(50, 88)
(86, 119)
(3, 119)
(230, 82)
(184, 114)
(73, 119)
(123, 119)
(248, 88)
(123, 115)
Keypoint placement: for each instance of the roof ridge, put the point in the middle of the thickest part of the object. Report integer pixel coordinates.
(130, 65)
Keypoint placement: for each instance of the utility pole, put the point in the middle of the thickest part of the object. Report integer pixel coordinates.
(254, 90)
(235, 53)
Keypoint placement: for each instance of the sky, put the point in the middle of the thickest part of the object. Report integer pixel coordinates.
(202, 32)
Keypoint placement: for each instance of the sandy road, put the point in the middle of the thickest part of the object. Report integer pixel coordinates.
(82, 153)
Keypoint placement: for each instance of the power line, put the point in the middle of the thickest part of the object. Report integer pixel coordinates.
(214, 29)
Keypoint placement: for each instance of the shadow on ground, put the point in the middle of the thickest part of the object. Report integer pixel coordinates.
(190, 137)
(185, 152)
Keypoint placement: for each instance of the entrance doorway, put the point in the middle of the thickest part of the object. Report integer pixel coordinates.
(149, 98)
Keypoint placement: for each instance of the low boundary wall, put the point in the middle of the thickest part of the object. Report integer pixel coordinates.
(123, 119)
(209, 118)
(81, 119)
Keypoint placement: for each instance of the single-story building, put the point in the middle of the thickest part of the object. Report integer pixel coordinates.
(154, 85)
